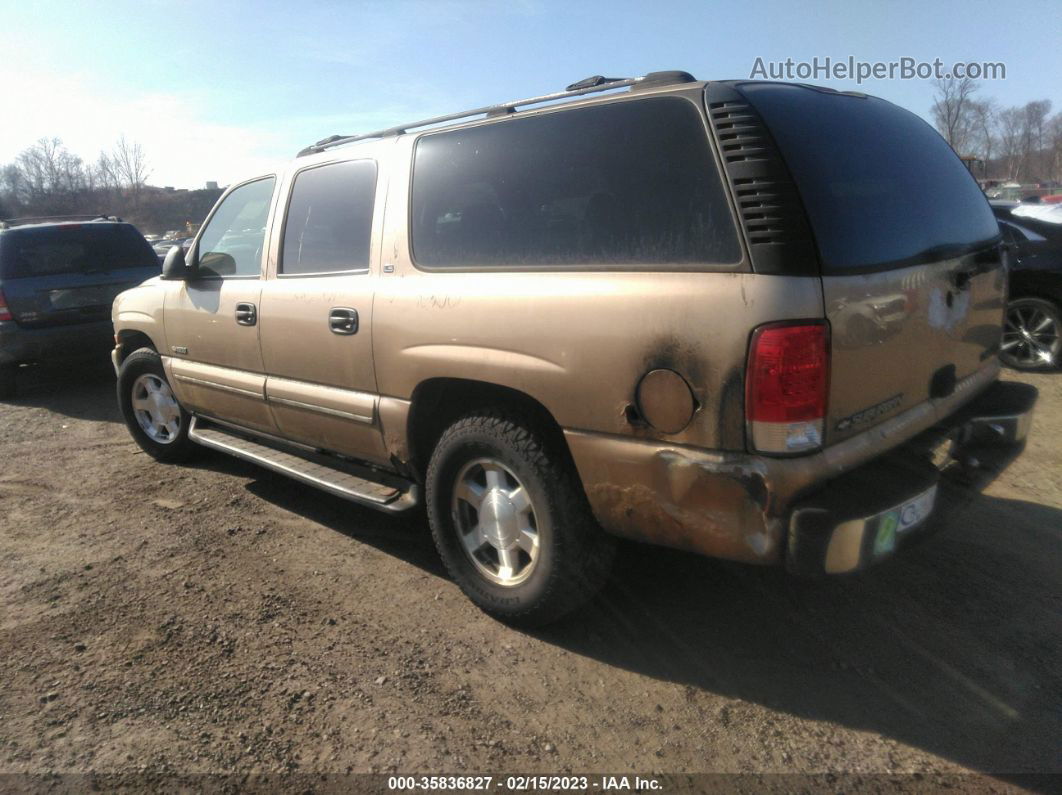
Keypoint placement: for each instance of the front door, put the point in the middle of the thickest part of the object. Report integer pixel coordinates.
(212, 321)
(316, 317)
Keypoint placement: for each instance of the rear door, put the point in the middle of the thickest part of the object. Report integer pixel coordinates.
(316, 326)
(65, 274)
(912, 277)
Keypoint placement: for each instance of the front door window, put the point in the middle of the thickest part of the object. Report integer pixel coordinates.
(231, 244)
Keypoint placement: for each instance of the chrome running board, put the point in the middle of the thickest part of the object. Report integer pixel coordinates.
(344, 479)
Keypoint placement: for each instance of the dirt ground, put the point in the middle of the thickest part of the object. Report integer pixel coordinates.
(215, 618)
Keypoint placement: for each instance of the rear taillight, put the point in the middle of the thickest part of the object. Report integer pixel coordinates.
(785, 387)
(5, 313)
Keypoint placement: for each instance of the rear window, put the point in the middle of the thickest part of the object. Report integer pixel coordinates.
(880, 186)
(630, 184)
(74, 248)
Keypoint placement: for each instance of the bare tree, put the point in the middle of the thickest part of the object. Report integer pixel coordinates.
(1011, 130)
(107, 176)
(1054, 134)
(47, 173)
(38, 168)
(983, 131)
(131, 164)
(12, 184)
(952, 110)
(47, 179)
(1035, 127)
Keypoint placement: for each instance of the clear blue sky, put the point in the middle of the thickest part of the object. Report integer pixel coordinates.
(214, 90)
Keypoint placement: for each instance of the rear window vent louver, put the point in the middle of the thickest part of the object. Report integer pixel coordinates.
(771, 213)
(741, 135)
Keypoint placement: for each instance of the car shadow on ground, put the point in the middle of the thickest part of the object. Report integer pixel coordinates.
(80, 390)
(405, 536)
(952, 647)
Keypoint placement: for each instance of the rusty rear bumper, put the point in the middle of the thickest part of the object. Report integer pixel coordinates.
(867, 514)
(738, 506)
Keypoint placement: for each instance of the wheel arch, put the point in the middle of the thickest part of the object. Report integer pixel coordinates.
(1036, 284)
(437, 403)
(129, 340)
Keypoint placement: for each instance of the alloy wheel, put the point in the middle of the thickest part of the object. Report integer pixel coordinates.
(156, 409)
(1031, 335)
(495, 521)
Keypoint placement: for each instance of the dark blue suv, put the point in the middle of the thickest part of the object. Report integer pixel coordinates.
(58, 278)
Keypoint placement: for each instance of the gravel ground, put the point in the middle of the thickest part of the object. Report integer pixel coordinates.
(214, 618)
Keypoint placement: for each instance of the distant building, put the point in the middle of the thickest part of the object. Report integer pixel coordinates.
(212, 186)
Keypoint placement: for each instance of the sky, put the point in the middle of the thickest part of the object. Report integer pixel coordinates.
(224, 90)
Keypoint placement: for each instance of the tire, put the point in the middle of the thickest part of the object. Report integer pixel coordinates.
(558, 557)
(8, 374)
(158, 424)
(1032, 335)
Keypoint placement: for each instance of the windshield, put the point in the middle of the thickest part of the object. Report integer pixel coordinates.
(880, 186)
(74, 248)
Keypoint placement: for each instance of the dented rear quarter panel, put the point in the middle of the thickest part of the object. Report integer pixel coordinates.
(577, 342)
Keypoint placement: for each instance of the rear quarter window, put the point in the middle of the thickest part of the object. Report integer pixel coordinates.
(629, 185)
(880, 186)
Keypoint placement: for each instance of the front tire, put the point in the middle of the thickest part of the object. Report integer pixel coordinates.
(155, 419)
(511, 522)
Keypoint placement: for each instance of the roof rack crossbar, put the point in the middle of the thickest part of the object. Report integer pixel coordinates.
(588, 86)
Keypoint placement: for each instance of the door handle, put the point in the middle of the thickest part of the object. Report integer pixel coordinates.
(343, 320)
(246, 314)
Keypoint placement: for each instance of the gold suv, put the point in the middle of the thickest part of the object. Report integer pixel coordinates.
(739, 318)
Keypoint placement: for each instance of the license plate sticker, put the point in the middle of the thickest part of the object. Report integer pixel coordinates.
(895, 522)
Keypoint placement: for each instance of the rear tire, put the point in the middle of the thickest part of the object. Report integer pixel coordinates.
(155, 419)
(8, 373)
(511, 521)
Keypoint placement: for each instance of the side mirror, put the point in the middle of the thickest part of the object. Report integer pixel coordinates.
(174, 267)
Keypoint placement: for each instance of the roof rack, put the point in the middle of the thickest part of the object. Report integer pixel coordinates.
(588, 85)
(43, 219)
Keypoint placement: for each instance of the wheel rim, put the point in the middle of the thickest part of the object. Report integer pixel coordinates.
(495, 522)
(1031, 336)
(156, 409)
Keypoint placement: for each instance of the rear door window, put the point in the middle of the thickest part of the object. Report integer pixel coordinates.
(73, 248)
(629, 185)
(881, 188)
(328, 228)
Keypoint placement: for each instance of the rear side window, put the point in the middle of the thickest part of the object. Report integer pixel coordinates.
(880, 186)
(329, 222)
(628, 184)
(73, 248)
